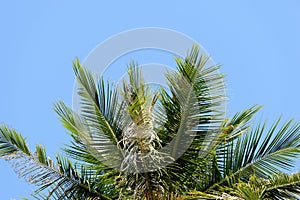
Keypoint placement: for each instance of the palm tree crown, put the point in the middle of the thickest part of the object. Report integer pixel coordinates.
(131, 141)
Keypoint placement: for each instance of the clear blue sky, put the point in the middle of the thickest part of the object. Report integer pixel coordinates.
(257, 42)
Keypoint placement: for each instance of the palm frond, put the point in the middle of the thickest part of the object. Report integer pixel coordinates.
(199, 104)
(208, 87)
(254, 189)
(231, 130)
(99, 103)
(198, 195)
(61, 180)
(284, 186)
(278, 187)
(11, 142)
(263, 154)
(88, 146)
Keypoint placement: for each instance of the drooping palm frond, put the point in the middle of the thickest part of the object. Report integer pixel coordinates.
(261, 152)
(60, 180)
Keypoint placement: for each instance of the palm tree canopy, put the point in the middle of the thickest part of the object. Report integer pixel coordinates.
(130, 141)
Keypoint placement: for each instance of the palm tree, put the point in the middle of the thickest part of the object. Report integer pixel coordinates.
(136, 142)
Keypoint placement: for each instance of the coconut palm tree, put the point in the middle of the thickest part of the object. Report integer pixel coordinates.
(132, 141)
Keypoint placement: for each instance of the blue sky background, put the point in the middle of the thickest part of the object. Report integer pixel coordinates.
(257, 42)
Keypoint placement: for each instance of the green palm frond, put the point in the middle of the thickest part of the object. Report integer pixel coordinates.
(231, 130)
(219, 164)
(261, 152)
(208, 87)
(183, 91)
(197, 195)
(96, 114)
(11, 142)
(207, 92)
(240, 122)
(284, 186)
(268, 155)
(101, 113)
(83, 148)
(99, 103)
(61, 180)
(278, 187)
(254, 189)
(78, 149)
